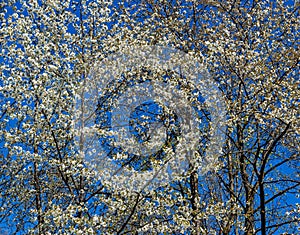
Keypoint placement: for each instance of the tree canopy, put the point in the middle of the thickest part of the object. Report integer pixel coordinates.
(246, 54)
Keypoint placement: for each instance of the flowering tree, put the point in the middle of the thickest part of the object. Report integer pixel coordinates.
(48, 52)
